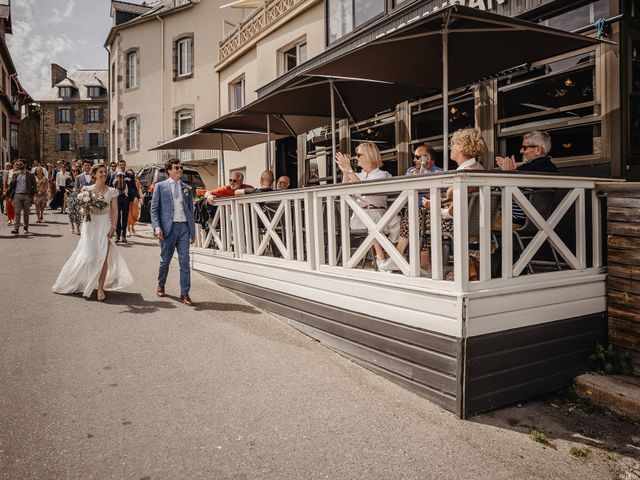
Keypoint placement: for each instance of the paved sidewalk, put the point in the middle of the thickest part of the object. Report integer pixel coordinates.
(140, 387)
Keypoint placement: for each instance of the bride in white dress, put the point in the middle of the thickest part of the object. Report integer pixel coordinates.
(96, 261)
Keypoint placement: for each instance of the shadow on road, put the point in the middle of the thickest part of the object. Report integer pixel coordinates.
(135, 303)
(217, 306)
(562, 416)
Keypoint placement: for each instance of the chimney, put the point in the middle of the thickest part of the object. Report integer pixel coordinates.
(57, 74)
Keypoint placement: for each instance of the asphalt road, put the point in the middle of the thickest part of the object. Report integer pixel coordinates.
(140, 387)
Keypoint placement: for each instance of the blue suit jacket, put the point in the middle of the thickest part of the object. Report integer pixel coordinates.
(162, 207)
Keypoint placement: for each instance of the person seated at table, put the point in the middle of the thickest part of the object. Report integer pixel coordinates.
(235, 183)
(467, 146)
(423, 159)
(370, 161)
(266, 184)
(283, 182)
(535, 150)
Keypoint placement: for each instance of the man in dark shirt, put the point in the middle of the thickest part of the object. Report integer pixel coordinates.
(535, 150)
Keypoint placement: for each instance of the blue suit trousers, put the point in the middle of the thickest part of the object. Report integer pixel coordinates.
(178, 238)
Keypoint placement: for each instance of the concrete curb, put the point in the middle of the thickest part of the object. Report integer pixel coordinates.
(617, 393)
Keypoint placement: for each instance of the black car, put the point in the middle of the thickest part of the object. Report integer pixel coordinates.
(149, 175)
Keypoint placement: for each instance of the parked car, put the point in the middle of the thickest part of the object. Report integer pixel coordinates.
(149, 175)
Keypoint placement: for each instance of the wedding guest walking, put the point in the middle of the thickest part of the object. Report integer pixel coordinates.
(71, 200)
(84, 179)
(42, 189)
(134, 207)
(21, 191)
(6, 180)
(173, 224)
(60, 187)
(96, 262)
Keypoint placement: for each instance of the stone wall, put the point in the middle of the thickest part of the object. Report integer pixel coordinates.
(78, 129)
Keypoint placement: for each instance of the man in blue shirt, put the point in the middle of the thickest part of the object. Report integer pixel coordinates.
(423, 161)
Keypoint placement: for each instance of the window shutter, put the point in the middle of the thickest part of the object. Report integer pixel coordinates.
(101, 116)
(72, 140)
(101, 140)
(57, 146)
(72, 115)
(87, 142)
(86, 115)
(57, 115)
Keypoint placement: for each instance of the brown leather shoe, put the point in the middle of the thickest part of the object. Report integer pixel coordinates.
(160, 291)
(186, 300)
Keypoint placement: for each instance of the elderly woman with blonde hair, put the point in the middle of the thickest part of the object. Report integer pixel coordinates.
(466, 146)
(370, 161)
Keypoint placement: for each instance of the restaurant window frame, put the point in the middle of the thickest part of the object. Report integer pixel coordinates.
(504, 132)
(434, 102)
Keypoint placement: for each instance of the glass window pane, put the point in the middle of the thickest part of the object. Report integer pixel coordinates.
(340, 18)
(565, 142)
(548, 93)
(426, 119)
(366, 10)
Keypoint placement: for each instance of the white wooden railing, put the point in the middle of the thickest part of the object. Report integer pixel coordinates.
(309, 229)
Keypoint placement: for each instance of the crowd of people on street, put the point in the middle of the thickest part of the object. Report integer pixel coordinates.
(57, 186)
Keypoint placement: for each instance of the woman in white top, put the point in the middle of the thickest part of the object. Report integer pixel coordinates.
(96, 261)
(370, 161)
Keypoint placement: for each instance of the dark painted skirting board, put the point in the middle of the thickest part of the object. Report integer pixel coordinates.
(506, 367)
(420, 360)
(498, 369)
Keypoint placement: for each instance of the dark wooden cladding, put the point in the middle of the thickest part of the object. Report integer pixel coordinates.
(463, 376)
(510, 366)
(623, 258)
(421, 360)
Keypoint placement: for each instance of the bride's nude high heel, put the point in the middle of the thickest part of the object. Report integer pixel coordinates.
(101, 296)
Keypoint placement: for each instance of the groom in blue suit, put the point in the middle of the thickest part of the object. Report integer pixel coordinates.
(172, 222)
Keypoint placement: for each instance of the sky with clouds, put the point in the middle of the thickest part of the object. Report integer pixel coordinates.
(70, 33)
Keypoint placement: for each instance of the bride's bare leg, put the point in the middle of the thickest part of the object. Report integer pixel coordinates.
(103, 274)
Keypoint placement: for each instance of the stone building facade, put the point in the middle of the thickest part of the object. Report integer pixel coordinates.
(74, 116)
(12, 95)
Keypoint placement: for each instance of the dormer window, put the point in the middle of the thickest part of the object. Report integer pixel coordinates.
(65, 92)
(94, 92)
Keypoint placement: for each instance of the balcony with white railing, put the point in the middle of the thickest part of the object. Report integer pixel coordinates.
(256, 24)
(188, 156)
(504, 312)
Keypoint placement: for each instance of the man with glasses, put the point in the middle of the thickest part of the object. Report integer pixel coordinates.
(173, 224)
(535, 150)
(235, 183)
(423, 161)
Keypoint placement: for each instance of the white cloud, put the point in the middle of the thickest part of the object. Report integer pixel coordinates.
(33, 53)
(67, 32)
(58, 16)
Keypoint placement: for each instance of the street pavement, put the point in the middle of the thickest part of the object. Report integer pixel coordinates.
(145, 388)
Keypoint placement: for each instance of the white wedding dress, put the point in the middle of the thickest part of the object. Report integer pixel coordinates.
(82, 270)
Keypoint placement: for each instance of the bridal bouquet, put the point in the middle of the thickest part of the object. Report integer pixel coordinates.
(88, 200)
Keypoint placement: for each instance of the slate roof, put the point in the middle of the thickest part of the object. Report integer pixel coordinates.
(80, 80)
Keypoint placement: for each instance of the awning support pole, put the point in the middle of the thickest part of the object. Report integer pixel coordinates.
(268, 167)
(445, 98)
(333, 134)
(221, 163)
